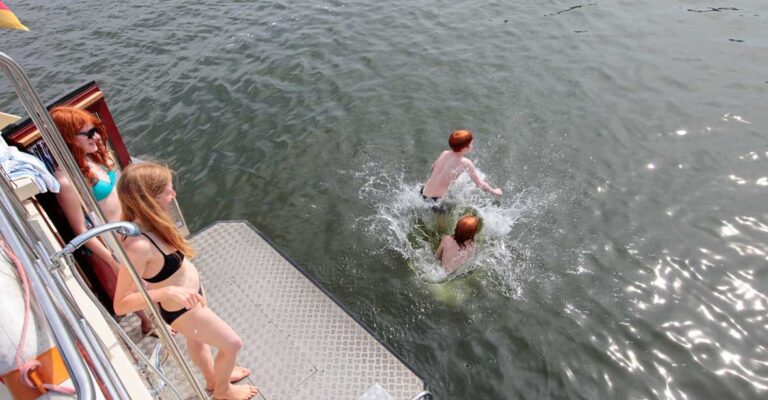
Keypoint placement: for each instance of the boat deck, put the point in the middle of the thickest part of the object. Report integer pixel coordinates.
(299, 344)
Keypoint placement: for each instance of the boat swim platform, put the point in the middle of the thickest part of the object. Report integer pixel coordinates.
(299, 343)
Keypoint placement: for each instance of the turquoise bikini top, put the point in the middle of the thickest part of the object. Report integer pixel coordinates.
(102, 189)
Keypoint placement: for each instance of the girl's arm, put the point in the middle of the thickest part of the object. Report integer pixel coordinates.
(73, 211)
(127, 297)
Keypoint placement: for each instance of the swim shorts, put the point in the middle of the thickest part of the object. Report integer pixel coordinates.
(438, 207)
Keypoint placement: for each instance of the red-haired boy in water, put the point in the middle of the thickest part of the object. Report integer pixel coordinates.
(450, 165)
(456, 250)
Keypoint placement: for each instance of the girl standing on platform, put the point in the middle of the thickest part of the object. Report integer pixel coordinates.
(84, 135)
(161, 257)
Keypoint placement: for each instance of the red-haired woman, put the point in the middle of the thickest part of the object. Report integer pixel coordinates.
(161, 257)
(83, 133)
(456, 250)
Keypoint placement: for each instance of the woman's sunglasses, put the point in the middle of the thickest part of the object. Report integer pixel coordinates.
(90, 133)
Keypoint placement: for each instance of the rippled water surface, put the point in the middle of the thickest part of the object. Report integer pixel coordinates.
(627, 258)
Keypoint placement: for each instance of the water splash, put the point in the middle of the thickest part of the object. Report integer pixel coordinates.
(402, 221)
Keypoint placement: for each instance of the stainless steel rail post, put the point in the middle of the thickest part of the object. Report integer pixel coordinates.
(92, 346)
(72, 358)
(39, 114)
(40, 267)
(423, 395)
(117, 330)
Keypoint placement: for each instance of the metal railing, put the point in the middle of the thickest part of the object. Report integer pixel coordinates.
(59, 294)
(19, 230)
(12, 234)
(423, 395)
(144, 364)
(39, 114)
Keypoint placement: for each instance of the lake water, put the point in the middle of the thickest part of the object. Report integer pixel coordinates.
(627, 258)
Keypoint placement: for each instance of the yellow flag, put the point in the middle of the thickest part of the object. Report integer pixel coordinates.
(9, 20)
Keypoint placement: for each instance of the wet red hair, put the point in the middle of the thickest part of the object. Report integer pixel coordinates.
(70, 121)
(459, 140)
(465, 230)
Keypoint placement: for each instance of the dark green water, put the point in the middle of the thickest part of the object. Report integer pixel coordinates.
(629, 259)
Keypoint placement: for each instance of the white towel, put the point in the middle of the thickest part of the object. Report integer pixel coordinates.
(17, 164)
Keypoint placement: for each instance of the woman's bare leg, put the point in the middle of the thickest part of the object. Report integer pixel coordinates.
(200, 353)
(146, 324)
(202, 325)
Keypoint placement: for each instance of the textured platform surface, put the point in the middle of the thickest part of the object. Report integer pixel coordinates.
(298, 343)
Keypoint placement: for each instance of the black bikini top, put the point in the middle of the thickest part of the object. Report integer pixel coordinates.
(171, 263)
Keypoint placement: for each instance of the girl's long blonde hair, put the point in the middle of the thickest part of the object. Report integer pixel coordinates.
(139, 185)
(70, 120)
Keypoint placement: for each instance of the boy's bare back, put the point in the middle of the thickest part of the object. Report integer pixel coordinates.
(451, 164)
(445, 170)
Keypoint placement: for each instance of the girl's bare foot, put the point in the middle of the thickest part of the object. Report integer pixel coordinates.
(238, 374)
(236, 392)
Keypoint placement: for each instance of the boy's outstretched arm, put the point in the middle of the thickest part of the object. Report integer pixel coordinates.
(470, 168)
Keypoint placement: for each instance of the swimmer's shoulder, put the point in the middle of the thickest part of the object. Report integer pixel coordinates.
(447, 239)
(138, 244)
(443, 155)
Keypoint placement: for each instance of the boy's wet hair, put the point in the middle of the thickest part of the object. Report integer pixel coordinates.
(459, 140)
(465, 230)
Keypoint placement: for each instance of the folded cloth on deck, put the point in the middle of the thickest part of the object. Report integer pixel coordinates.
(17, 164)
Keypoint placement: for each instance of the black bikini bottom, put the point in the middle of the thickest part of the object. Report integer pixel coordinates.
(421, 192)
(170, 316)
(440, 208)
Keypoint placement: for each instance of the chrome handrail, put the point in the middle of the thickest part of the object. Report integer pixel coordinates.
(116, 329)
(40, 268)
(124, 228)
(156, 360)
(76, 367)
(425, 394)
(58, 148)
(95, 350)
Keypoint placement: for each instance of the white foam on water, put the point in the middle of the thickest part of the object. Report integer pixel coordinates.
(404, 222)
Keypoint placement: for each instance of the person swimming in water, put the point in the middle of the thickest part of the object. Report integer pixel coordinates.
(450, 165)
(454, 251)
